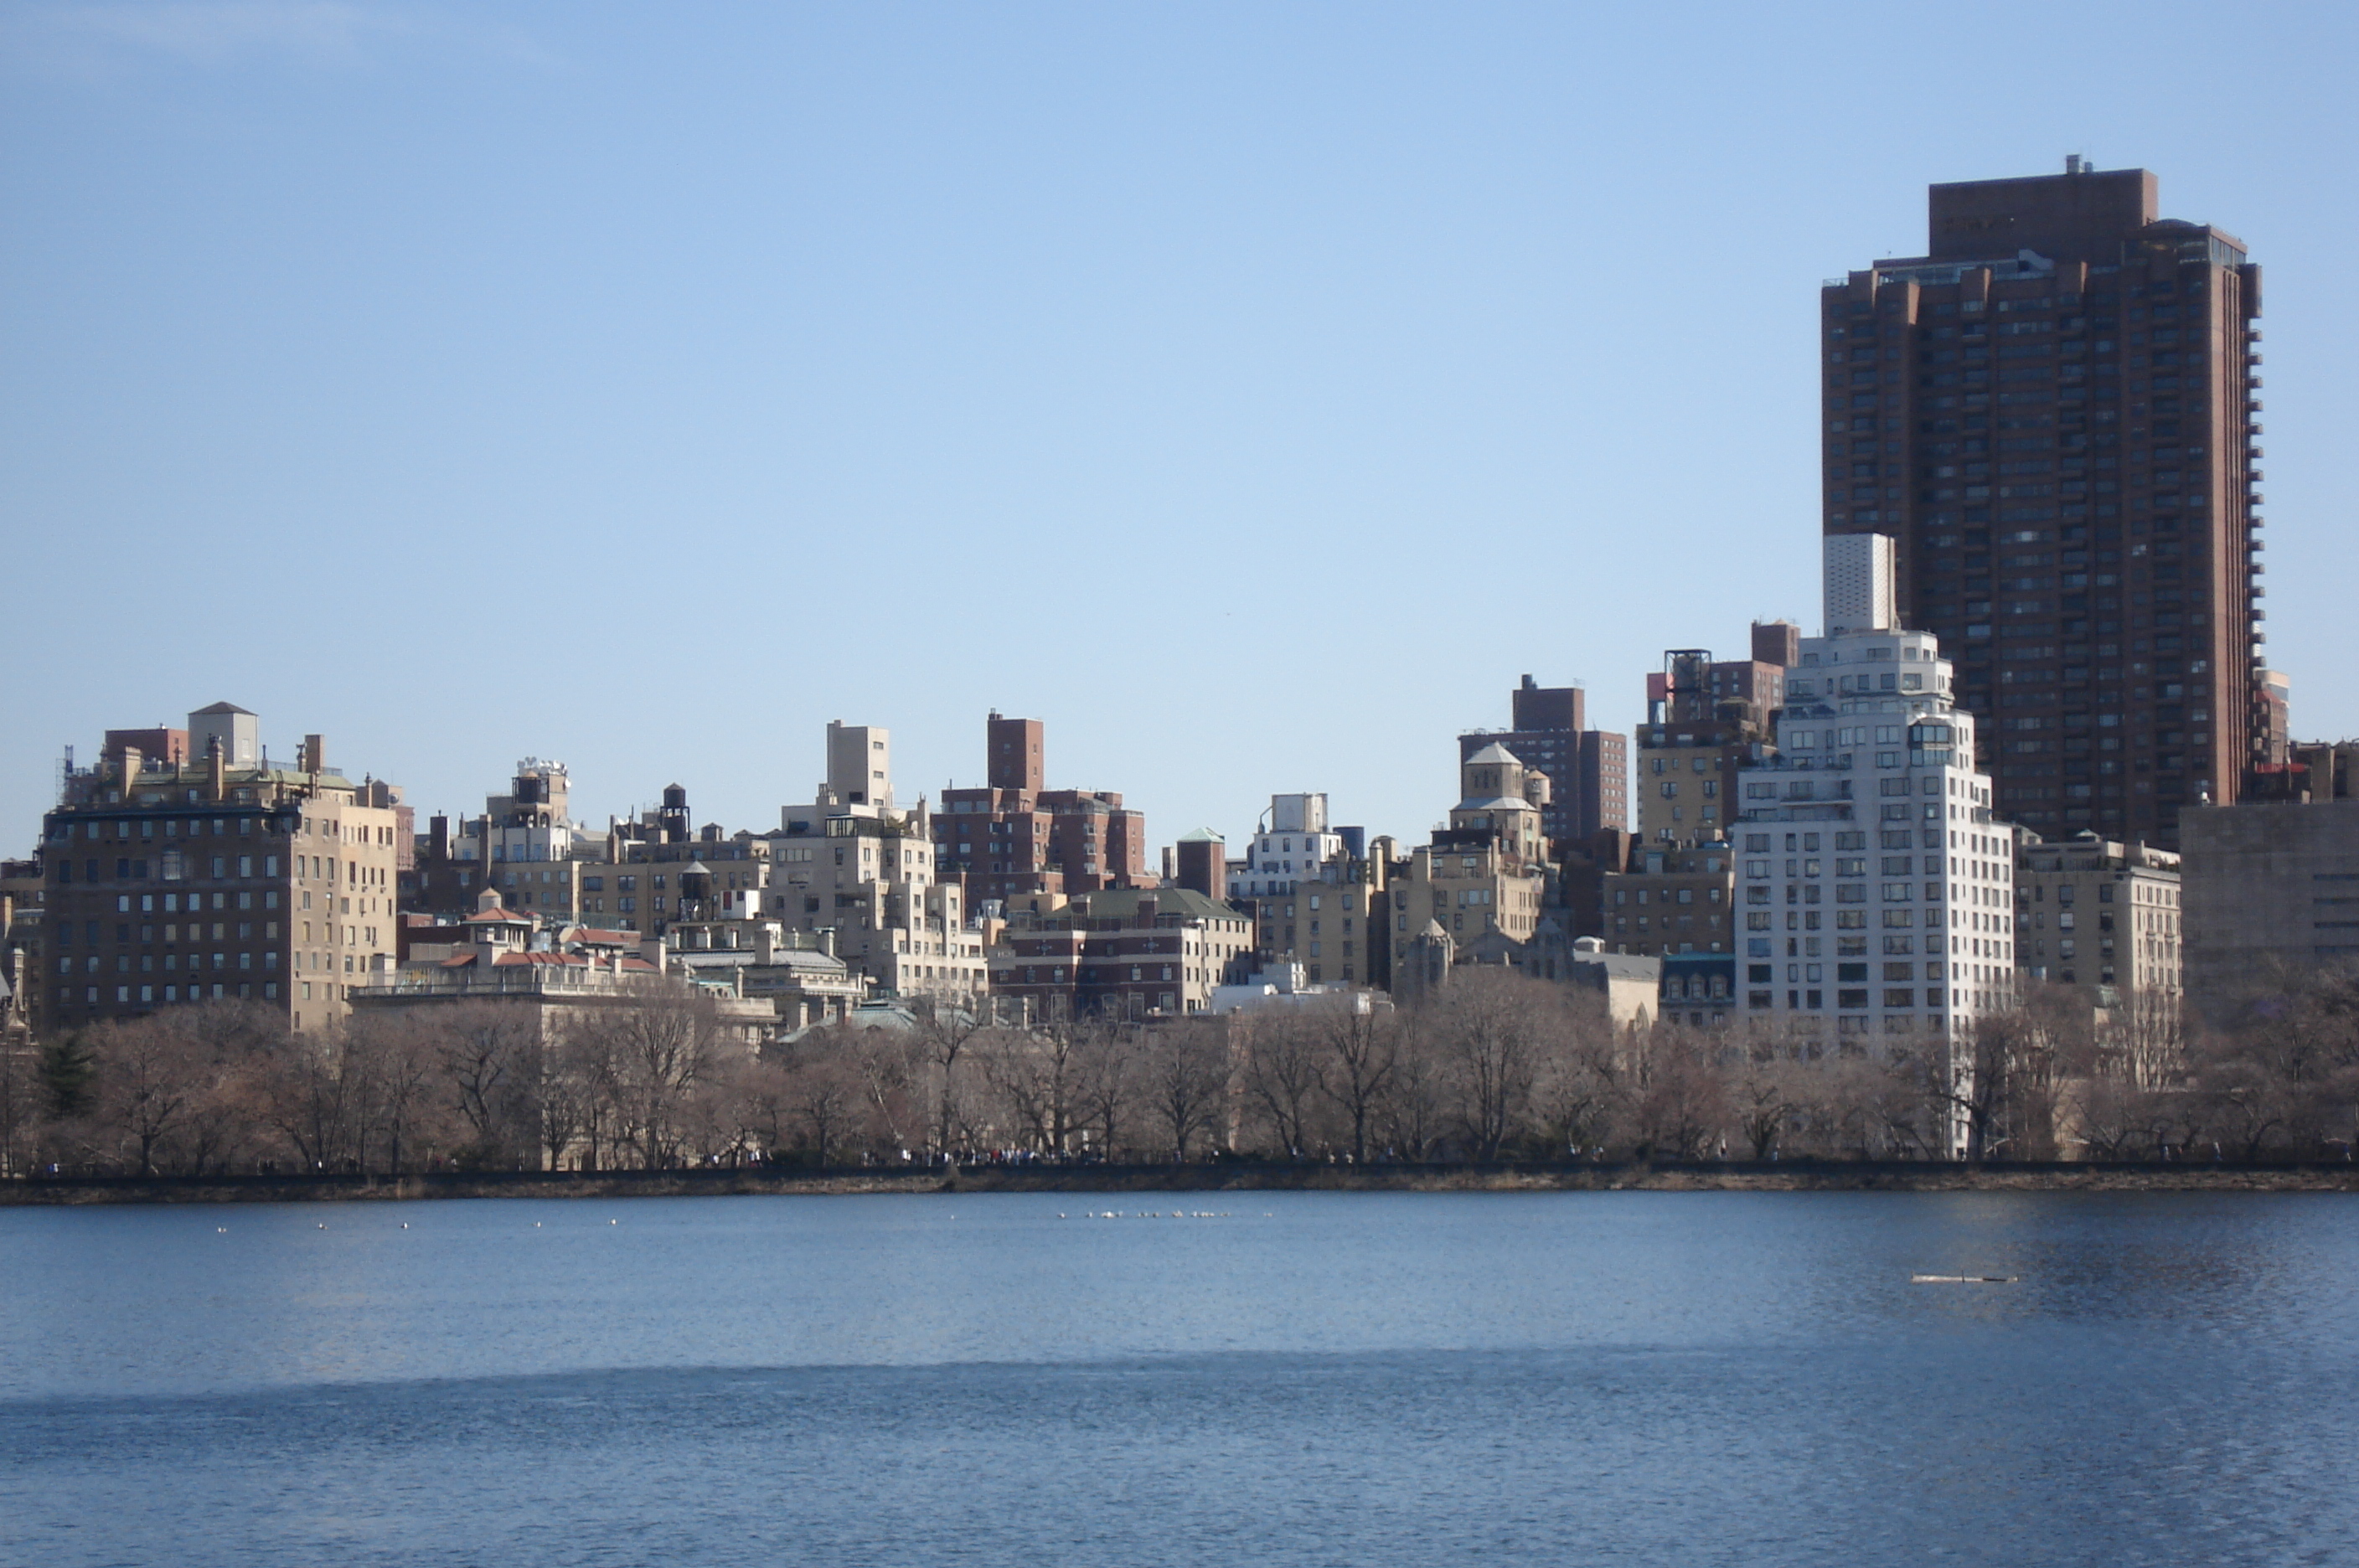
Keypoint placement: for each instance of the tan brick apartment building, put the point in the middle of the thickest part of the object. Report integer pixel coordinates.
(219, 877)
(1588, 770)
(1487, 870)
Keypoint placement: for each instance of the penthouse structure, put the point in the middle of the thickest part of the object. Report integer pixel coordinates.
(2054, 415)
(1319, 899)
(523, 842)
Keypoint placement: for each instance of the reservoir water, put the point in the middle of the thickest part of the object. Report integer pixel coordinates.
(1245, 1378)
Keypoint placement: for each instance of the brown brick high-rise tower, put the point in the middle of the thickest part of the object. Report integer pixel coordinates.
(2053, 414)
(1016, 760)
(1015, 836)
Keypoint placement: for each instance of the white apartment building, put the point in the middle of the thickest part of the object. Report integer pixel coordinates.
(1876, 894)
(1295, 846)
(530, 823)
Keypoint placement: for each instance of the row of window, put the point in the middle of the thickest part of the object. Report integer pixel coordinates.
(147, 965)
(114, 829)
(174, 903)
(149, 995)
(1054, 975)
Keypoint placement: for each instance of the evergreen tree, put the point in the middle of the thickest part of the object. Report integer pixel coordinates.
(65, 1073)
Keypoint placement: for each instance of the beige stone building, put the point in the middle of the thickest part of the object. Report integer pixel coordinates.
(2101, 916)
(853, 863)
(217, 879)
(1487, 870)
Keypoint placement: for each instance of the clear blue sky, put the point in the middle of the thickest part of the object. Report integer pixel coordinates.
(1252, 392)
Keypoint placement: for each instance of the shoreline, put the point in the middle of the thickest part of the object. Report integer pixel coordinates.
(1710, 1176)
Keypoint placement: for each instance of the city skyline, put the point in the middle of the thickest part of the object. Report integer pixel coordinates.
(1324, 693)
(392, 393)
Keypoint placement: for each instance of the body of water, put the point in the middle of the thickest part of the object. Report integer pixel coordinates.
(1245, 1378)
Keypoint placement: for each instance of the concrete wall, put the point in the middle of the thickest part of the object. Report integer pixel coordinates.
(2266, 888)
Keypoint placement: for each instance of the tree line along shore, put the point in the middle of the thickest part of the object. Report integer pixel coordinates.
(1494, 1071)
(1213, 1176)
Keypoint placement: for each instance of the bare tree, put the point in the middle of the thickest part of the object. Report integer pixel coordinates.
(1765, 1101)
(307, 1099)
(150, 1074)
(485, 1054)
(1901, 1106)
(1491, 1023)
(2246, 1090)
(664, 1044)
(946, 1036)
(827, 1099)
(1363, 1047)
(2004, 1088)
(1283, 1059)
(19, 1097)
(568, 1091)
(394, 1060)
(1683, 1103)
(1111, 1081)
(2144, 1043)
(2118, 1120)
(1417, 1097)
(1038, 1076)
(891, 1079)
(1187, 1081)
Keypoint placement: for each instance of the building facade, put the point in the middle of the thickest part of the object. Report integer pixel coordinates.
(1119, 954)
(1706, 720)
(2268, 892)
(1016, 837)
(2103, 917)
(1487, 870)
(217, 879)
(1588, 770)
(861, 871)
(1673, 898)
(2054, 413)
(525, 842)
(1877, 886)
